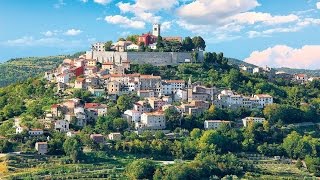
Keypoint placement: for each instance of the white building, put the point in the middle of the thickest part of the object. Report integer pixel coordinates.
(156, 29)
(247, 120)
(61, 126)
(301, 78)
(181, 95)
(176, 84)
(132, 116)
(153, 120)
(133, 47)
(153, 46)
(99, 46)
(248, 69)
(263, 100)
(35, 132)
(114, 136)
(227, 99)
(214, 124)
(63, 78)
(19, 129)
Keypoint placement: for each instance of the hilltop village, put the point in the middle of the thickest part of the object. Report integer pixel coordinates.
(107, 75)
(148, 96)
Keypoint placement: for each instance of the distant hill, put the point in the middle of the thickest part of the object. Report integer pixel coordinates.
(237, 62)
(300, 71)
(20, 69)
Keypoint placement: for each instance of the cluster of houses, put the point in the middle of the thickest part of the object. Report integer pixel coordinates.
(109, 79)
(215, 124)
(272, 73)
(146, 39)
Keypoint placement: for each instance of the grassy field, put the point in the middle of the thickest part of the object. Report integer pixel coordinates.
(101, 166)
(268, 168)
(53, 167)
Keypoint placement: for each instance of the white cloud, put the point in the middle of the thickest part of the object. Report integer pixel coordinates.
(73, 32)
(84, 1)
(166, 26)
(49, 33)
(102, 2)
(306, 57)
(145, 10)
(125, 22)
(148, 5)
(59, 4)
(318, 5)
(224, 19)
(292, 28)
(43, 42)
(265, 18)
(213, 11)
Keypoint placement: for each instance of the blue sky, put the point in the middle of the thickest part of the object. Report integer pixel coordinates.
(264, 32)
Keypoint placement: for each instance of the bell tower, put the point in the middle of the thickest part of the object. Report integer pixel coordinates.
(156, 30)
(189, 90)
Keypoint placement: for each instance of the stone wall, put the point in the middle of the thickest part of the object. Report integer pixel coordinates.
(154, 58)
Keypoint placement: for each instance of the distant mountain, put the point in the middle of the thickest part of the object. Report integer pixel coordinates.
(20, 69)
(316, 73)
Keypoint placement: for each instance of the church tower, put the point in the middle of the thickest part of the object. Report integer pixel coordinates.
(189, 90)
(156, 30)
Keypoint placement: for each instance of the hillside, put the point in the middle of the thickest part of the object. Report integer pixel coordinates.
(229, 151)
(19, 69)
(237, 62)
(233, 61)
(300, 71)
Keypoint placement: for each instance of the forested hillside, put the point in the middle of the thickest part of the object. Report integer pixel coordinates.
(19, 69)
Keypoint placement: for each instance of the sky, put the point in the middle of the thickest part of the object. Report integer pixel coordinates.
(277, 33)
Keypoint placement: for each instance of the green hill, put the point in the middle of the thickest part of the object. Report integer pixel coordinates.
(19, 69)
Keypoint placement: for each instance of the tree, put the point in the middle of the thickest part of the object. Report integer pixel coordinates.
(199, 43)
(55, 145)
(187, 44)
(160, 44)
(299, 164)
(113, 112)
(108, 45)
(159, 135)
(119, 124)
(73, 148)
(140, 169)
(133, 38)
(82, 94)
(5, 146)
(195, 133)
(173, 118)
(142, 46)
(124, 102)
(121, 39)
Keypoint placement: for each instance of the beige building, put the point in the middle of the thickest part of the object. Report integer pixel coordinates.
(41, 147)
(152, 120)
(215, 124)
(248, 120)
